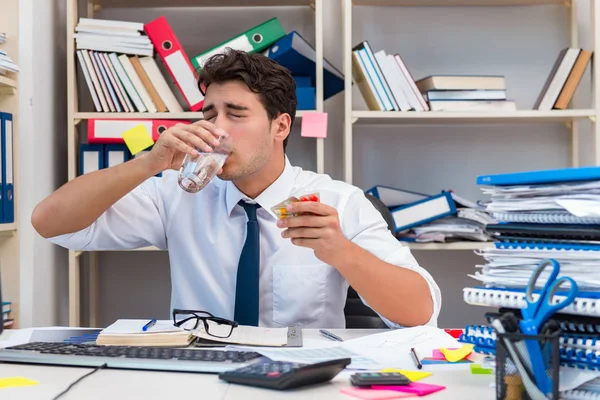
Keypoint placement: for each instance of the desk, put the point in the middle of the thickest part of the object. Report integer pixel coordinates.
(147, 385)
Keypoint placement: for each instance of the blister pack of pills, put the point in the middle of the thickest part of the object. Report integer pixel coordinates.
(281, 211)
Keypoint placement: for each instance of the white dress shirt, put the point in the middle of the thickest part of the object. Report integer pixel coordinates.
(205, 232)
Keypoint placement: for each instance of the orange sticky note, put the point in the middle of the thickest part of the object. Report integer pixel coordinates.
(16, 381)
(314, 124)
(137, 139)
(454, 355)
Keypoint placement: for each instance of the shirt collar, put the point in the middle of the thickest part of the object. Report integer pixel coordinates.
(277, 192)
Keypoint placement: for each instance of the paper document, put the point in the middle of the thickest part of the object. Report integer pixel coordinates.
(392, 349)
(132, 326)
(248, 335)
(309, 356)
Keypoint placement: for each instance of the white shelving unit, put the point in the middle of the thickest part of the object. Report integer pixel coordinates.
(9, 102)
(571, 117)
(76, 116)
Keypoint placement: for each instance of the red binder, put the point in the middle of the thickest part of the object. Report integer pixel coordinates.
(101, 130)
(176, 60)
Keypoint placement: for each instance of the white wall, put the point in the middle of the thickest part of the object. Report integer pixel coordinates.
(42, 158)
(520, 43)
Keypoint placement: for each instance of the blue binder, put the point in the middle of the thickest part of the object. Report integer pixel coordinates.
(306, 98)
(541, 176)
(91, 158)
(302, 81)
(8, 205)
(296, 54)
(423, 211)
(115, 154)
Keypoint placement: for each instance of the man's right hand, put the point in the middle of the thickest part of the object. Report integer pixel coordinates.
(174, 143)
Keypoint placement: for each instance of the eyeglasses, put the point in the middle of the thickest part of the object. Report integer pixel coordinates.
(213, 326)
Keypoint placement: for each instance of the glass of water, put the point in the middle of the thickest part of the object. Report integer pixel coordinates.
(196, 172)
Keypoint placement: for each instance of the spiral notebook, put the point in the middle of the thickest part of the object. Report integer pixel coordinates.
(496, 297)
(544, 217)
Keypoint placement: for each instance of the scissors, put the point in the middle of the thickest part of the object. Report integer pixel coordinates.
(537, 312)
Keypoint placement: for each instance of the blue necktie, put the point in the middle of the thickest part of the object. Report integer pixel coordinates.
(246, 292)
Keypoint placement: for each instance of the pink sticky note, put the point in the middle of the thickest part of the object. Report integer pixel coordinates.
(368, 394)
(437, 355)
(314, 124)
(420, 389)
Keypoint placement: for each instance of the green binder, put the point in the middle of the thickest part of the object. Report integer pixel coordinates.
(254, 40)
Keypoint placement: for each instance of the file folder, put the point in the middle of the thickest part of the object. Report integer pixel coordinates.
(299, 56)
(8, 205)
(541, 176)
(115, 154)
(106, 130)
(91, 158)
(423, 211)
(253, 40)
(176, 60)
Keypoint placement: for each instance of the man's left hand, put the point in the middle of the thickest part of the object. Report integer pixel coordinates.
(319, 230)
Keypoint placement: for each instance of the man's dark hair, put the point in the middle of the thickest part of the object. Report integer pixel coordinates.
(270, 80)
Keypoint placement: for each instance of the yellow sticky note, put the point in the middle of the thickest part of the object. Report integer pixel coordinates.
(458, 354)
(412, 375)
(16, 381)
(137, 139)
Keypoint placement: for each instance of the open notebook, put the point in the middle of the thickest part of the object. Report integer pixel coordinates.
(128, 332)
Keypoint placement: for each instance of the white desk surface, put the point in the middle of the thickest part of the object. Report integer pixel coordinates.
(146, 385)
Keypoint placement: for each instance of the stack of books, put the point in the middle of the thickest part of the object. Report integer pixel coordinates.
(386, 84)
(547, 214)
(120, 64)
(6, 62)
(444, 217)
(465, 93)
(6, 320)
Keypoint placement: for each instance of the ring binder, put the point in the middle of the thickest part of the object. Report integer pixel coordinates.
(557, 217)
(589, 306)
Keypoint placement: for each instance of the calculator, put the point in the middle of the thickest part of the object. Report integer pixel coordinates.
(283, 375)
(368, 379)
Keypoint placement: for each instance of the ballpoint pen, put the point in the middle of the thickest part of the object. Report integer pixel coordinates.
(330, 335)
(149, 325)
(417, 361)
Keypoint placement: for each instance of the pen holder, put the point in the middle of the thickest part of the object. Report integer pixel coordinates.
(513, 360)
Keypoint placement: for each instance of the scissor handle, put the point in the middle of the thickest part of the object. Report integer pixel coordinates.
(533, 306)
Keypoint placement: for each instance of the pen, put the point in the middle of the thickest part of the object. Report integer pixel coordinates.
(414, 353)
(149, 325)
(330, 335)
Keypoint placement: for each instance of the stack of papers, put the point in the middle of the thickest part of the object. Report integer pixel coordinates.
(512, 267)
(7, 64)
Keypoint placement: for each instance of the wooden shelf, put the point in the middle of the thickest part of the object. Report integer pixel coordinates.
(435, 117)
(442, 3)
(199, 3)
(164, 115)
(450, 246)
(7, 85)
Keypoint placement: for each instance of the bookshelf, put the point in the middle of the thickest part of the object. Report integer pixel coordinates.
(571, 118)
(77, 117)
(9, 102)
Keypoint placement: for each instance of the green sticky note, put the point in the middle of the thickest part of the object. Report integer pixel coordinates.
(477, 369)
(137, 139)
(16, 381)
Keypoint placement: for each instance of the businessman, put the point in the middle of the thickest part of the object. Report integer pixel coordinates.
(293, 271)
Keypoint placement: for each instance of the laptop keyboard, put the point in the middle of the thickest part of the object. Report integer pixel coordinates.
(154, 353)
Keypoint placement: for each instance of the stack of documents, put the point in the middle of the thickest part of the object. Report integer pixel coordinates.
(129, 332)
(7, 64)
(550, 214)
(2, 37)
(121, 37)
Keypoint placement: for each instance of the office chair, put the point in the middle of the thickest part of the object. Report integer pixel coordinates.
(358, 315)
